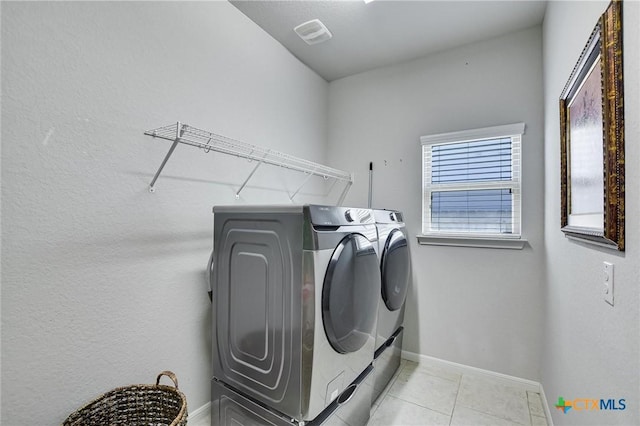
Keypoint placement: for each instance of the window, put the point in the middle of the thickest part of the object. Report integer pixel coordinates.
(471, 185)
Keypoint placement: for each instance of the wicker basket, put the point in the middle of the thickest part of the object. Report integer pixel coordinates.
(135, 405)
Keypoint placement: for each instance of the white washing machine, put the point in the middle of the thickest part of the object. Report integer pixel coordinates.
(295, 302)
(395, 272)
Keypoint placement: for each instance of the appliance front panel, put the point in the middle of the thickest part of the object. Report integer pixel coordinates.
(353, 406)
(332, 371)
(229, 408)
(387, 362)
(256, 296)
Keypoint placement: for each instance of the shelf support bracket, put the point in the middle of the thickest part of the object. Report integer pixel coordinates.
(250, 176)
(304, 182)
(333, 184)
(179, 133)
(344, 191)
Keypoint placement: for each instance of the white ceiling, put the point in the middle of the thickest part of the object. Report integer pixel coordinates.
(385, 32)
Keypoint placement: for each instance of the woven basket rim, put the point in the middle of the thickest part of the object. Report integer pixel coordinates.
(167, 388)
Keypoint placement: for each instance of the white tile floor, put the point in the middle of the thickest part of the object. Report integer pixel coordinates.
(423, 394)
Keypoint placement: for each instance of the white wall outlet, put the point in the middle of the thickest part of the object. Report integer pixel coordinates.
(608, 282)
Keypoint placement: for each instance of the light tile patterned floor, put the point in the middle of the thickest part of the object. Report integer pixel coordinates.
(421, 394)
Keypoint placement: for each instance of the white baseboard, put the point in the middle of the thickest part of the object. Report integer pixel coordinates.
(199, 415)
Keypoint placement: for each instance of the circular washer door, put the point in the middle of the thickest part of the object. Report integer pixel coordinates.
(349, 294)
(394, 267)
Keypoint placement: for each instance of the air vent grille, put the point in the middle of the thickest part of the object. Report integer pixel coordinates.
(313, 32)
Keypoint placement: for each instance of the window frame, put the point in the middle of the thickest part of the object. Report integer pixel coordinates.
(474, 239)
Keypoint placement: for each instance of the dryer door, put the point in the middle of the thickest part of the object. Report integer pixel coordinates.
(395, 267)
(350, 294)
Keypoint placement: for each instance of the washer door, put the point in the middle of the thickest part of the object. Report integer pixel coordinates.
(395, 266)
(349, 294)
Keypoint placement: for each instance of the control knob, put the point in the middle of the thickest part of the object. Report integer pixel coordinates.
(348, 216)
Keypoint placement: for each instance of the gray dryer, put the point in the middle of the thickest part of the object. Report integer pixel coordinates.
(395, 272)
(295, 300)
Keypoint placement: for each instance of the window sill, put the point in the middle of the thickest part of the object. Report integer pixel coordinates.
(495, 243)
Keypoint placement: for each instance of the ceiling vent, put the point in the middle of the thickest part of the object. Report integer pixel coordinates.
(313, 32)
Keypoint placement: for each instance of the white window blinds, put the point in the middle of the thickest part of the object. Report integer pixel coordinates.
(471, 182)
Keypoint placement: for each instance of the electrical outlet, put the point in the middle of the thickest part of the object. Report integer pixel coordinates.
(608, 282)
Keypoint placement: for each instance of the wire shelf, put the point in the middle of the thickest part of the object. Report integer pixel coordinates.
(208, 141)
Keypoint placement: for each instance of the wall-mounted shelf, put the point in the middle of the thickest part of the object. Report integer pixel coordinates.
(180, 133)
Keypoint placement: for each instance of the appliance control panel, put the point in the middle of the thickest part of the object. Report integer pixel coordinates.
(339, 216)
(388, 216)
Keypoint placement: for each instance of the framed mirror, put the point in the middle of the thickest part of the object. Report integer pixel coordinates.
(592, 138)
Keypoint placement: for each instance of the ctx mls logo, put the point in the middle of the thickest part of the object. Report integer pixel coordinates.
(563, 405)
(587, 404)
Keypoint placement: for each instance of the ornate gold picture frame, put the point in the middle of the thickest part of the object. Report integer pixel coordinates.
(592, 138)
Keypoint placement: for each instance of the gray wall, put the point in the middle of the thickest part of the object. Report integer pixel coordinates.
(475, 306)
(590, 348)
(102, 282)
